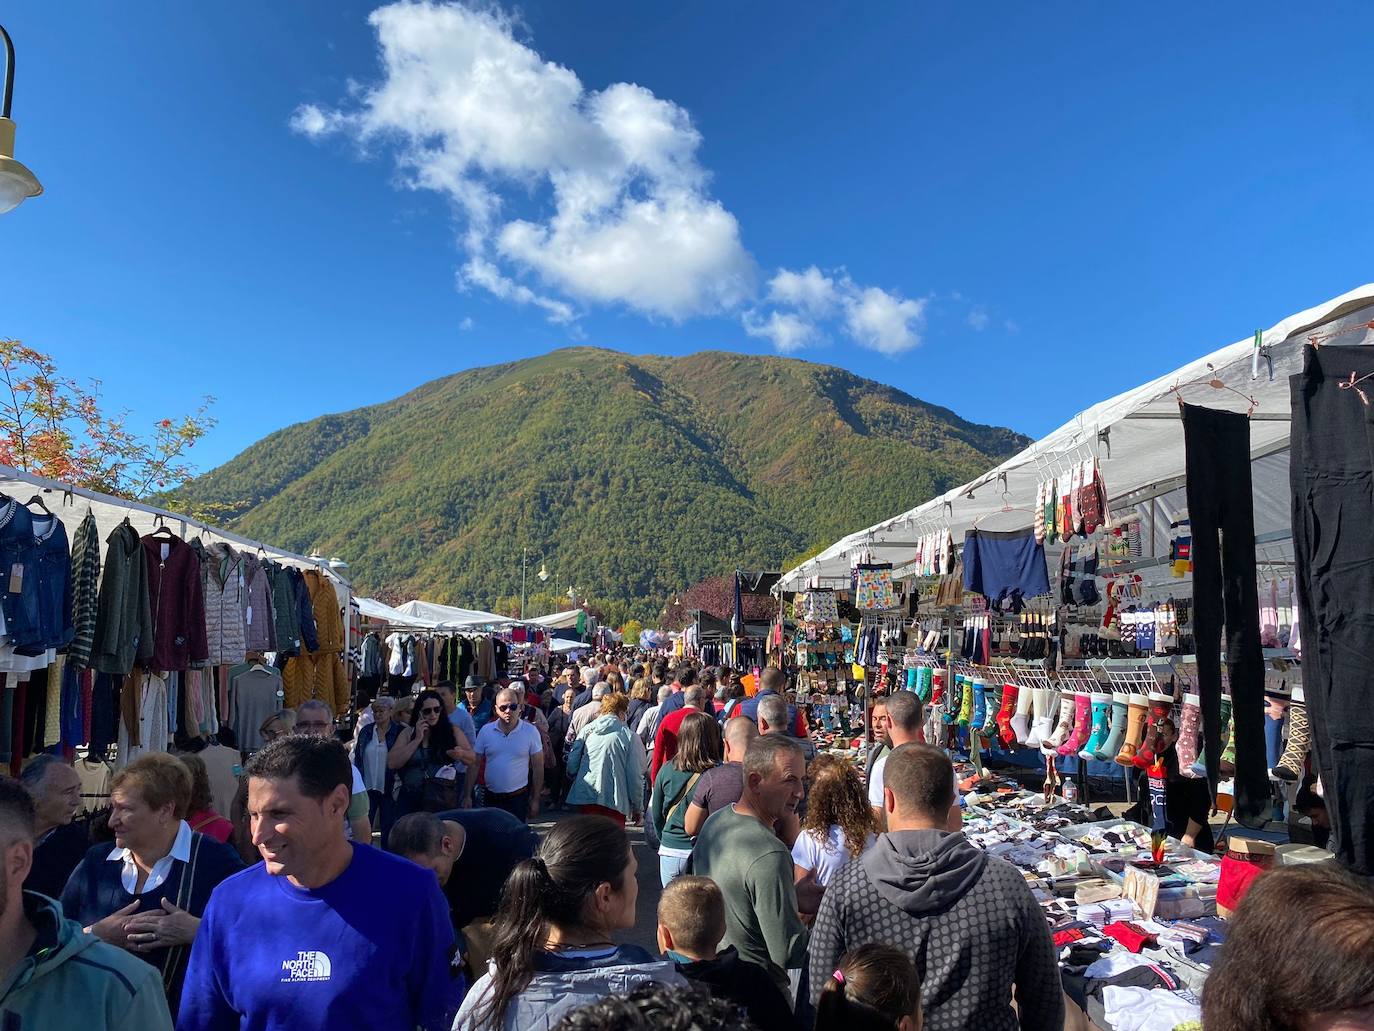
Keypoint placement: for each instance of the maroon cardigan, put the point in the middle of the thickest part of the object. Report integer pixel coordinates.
(176, 597)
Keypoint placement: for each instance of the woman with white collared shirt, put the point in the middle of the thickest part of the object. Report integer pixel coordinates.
(147, 892)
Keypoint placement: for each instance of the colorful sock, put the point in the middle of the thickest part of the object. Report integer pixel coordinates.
(937, 687)
(1137, 712)
(1289, 766)
(1040, 724)
(1067, 705)
(966, 702)
(1187, 734)
(992, 699)
(1010, 697)
(911, 678)
(1118, 733)
(1101, 726)
(1228, 744)
(1160, 707)
(980, 704)
(1040, 514)
(1082, 724)
(1025, 705)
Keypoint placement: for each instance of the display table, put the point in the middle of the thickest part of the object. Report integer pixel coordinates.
(1134, 962)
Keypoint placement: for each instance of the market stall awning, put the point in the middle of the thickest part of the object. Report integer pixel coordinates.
(1137, 438)
(371, 609)
(450, 617)
(566, 620)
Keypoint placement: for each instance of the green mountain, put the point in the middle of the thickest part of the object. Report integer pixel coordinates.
(630, 477)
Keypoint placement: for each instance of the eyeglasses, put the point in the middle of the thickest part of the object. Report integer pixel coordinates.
(507, 708)
(430, 710)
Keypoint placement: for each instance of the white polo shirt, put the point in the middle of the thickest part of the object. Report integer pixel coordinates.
(508, 755)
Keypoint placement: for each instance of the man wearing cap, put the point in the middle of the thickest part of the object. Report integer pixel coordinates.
(475, 701)
(461, 720)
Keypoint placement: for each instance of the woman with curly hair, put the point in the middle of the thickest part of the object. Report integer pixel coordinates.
(838, 826)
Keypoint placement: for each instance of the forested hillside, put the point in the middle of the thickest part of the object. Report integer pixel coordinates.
(630, 477)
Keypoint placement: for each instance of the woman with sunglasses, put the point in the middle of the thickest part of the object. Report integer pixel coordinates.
(424, 753)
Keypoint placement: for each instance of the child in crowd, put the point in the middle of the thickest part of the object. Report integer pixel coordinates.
(691, 923)
(876, 988)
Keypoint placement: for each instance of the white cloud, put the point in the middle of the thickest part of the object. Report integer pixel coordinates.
(473, 113)
(884, 322)
(812, 291)
(612, 204)
(978, 319)
(466, 325)
(870, 317)
(787, 331)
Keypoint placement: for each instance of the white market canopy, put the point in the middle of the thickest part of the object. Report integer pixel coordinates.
(1137, 438)
(568, 647)
(372, 609)
(450, 617)
(566, 620)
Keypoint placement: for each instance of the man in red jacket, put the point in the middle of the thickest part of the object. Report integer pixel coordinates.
(665, 741)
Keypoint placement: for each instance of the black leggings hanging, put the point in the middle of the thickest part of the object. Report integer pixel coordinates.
(1221, 505)
(1332, 477)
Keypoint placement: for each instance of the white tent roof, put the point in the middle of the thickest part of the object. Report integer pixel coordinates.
(395, 617)
(568, 647)
(450, 617)
(1138, 439)
(557, 620)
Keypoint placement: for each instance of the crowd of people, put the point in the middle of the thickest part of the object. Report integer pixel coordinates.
(381, 871)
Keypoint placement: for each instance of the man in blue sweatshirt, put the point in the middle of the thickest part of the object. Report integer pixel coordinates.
(324, 933)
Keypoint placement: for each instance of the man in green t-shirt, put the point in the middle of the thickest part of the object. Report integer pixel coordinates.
(753, 869)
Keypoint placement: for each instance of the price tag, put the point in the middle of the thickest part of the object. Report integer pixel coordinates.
(249, 615)
(17, 578)
(166, 550)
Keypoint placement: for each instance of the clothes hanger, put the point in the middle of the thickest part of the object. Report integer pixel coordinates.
(1214, 381)
(1006, 507)
(37, 499)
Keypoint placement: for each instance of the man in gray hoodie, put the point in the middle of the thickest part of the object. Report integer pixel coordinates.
(968, 920)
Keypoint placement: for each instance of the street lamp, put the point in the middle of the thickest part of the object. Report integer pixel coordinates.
(17, 183)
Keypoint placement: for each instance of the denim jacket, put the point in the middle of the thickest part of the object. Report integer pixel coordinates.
(18, 551)
(53, 575)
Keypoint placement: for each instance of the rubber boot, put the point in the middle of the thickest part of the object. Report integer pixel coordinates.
(1118, 733)
(1137, 712)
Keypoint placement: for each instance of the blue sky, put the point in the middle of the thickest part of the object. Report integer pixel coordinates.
(1014, 210)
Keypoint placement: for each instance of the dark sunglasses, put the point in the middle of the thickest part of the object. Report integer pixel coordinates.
(507, 708)
(430, 710)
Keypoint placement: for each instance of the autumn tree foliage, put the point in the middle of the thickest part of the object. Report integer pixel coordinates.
(53, 426)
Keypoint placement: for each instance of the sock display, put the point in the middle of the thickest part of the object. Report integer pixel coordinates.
(1189, 723)
(1063, 728)
(980, 705)
(1112, 745)
(1289, 766)
(1010, 698)
(966, 700)
(1101, 726)
(1137, 712)
(1020, 722)
(1082, 724)
(1042, 724)
(1160, 707)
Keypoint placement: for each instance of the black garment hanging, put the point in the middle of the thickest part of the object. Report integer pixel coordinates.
(1221, 505)
(1331, 473)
